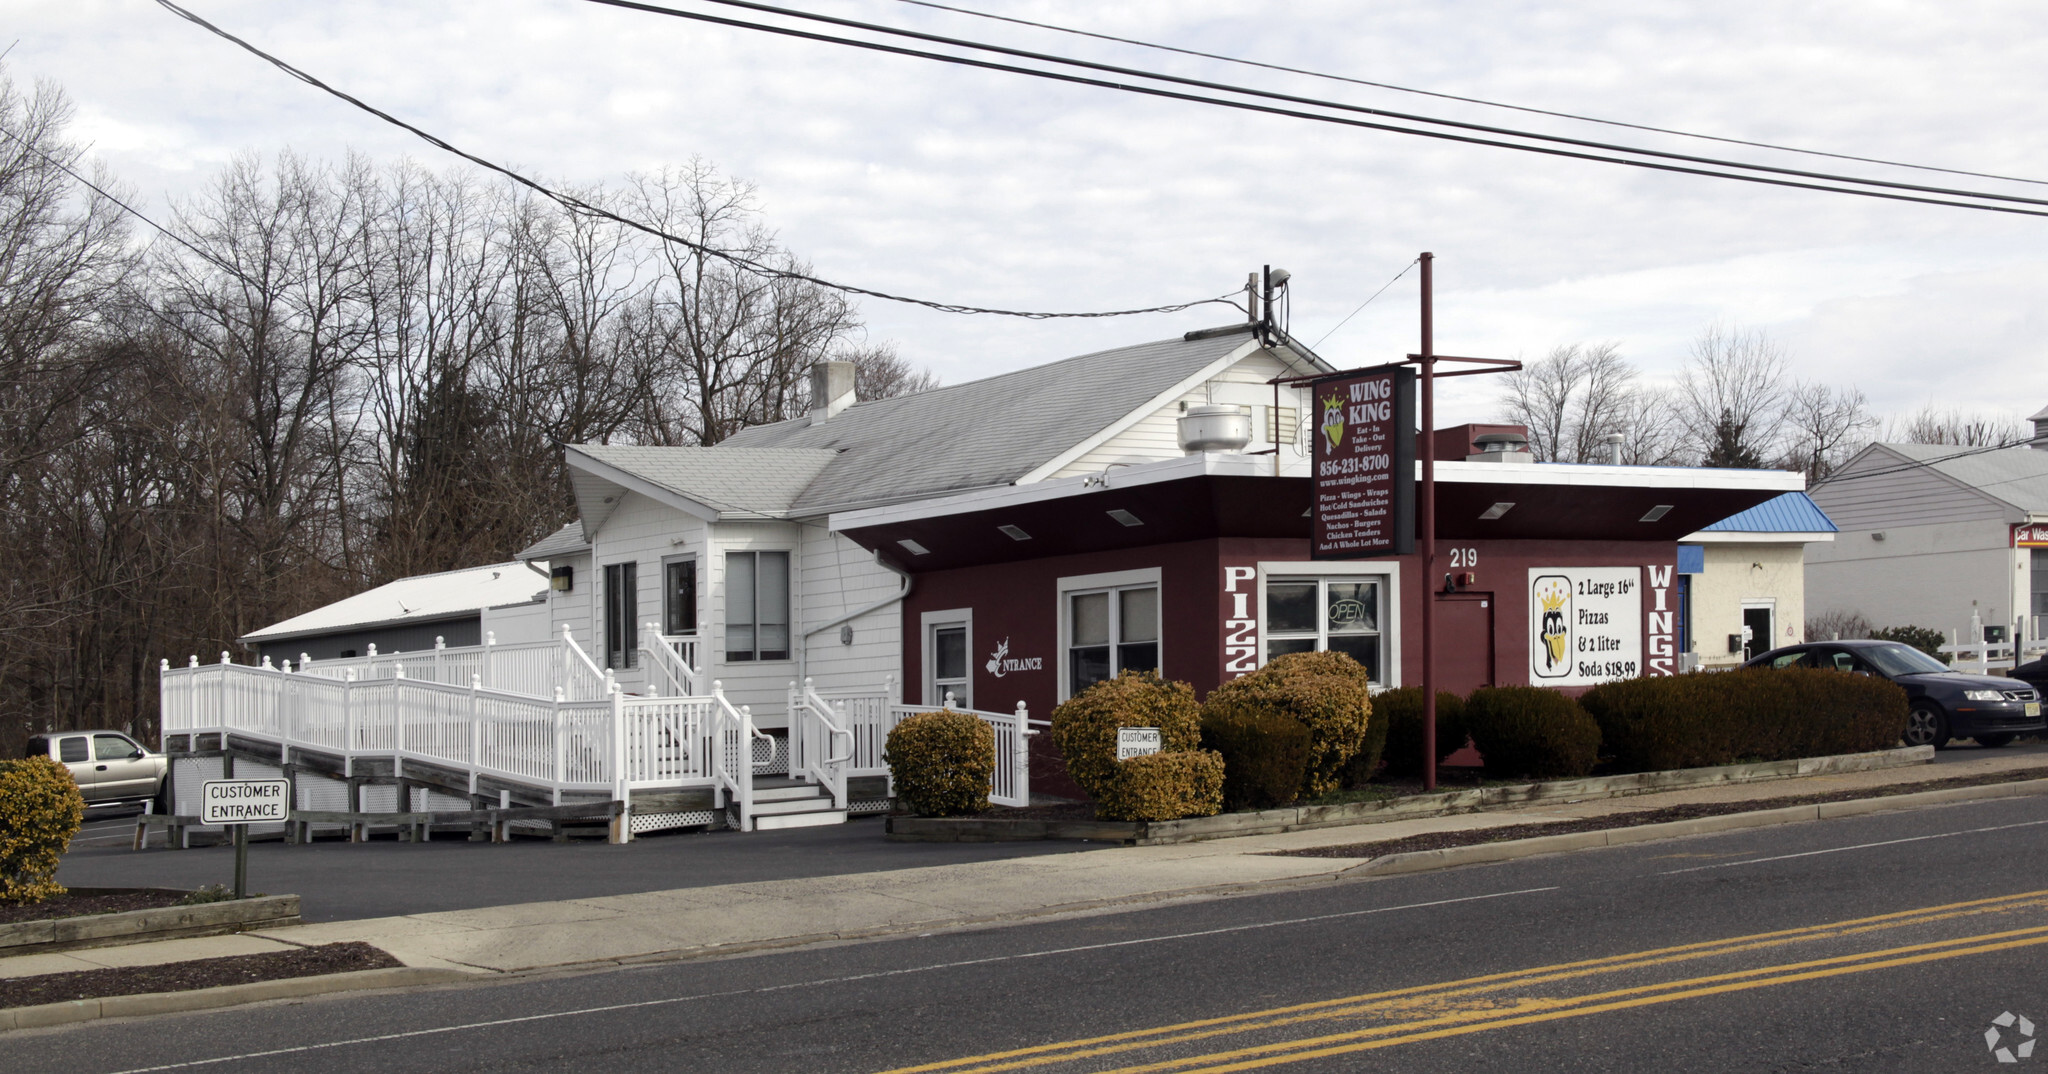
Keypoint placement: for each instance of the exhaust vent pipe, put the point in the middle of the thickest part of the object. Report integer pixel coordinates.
(1214, 427)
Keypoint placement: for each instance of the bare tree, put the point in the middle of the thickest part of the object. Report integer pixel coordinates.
(1824, 423)
(1731, 398)
(1572, 399)
(1930, 425)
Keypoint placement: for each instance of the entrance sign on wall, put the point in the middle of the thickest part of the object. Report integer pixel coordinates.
(1136, 742)
(1362, 493)
(1585, 625)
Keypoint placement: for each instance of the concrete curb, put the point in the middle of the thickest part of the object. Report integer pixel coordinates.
(1418, 861)
(199, 999)
(144, 926)
(1306, 818)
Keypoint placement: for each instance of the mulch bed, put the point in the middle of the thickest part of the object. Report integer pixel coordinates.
(184, 976)
(1442, 840)
(72, 904)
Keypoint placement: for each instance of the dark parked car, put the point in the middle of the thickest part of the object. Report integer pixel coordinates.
(1945, 703)
(2034, 674)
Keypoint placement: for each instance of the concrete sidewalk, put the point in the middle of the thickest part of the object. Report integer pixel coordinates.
(729, 918)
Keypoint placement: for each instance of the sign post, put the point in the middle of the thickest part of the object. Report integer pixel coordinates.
(238, 803)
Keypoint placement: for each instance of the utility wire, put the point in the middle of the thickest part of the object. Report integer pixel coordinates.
(1466, 100)
(1921, 464)
(1367, 302)
(1153, 91)
(575, 204)
(129, 209)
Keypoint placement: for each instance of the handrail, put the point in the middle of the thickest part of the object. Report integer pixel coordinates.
(569, 640)
(823, 710)
(741, 782)
(668, 660)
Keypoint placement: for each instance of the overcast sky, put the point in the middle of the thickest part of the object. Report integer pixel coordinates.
(990, 189)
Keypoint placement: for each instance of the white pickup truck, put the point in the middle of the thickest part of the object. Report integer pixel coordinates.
(107, 765)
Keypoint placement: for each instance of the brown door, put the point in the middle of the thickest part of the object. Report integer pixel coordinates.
(1464, 641)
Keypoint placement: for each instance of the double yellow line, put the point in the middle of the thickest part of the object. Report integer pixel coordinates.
(1477, 1004)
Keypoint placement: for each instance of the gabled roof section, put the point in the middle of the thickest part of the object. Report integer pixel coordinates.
(994, 431)
(1790, 514)
(423, 598)
(711, 483)
(566, 541)
(2016, 475)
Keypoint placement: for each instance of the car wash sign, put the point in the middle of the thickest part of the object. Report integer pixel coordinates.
(1362, 497)
(1585, 625)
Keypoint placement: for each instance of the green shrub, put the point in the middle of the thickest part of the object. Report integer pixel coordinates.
(1531, 731)
(1696, 721)
(1330, 694)
(1264, 756)
(1921, 638)
(1084, 726)
(941, 763)
(1401, 711)
(1164, 786)
(40, 810)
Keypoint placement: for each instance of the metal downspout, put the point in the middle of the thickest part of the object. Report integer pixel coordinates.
(803, 650)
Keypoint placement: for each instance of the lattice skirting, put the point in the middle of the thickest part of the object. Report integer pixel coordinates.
(873, 805)
(771, 758)
(658, 822)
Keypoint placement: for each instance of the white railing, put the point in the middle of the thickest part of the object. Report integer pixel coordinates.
(536, 668)
(612, 744)
(671, 662)
(820, 744)
(1984, 657)
(866, 718)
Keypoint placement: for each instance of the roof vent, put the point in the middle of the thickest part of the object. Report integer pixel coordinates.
(1215, 427)
(2040, 421)
(1501, 447)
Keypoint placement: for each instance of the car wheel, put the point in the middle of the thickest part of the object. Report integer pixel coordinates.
(1992, 742)
(1927, 725)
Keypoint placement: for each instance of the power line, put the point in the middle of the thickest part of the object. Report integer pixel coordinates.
(1920, 464)
(1466, 100)
(125, 207)
(1367, 302)
(575, 204)
(1824, 178)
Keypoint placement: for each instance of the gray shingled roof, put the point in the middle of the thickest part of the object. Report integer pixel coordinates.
(984, 432)
(564, 541)
(2017, 475)
(744, 480)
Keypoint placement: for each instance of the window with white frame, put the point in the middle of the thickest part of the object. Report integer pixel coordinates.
(1338, 614)
(679, 596)
(622, 615)
(1110, 630)
(949, 665)
(756, 606)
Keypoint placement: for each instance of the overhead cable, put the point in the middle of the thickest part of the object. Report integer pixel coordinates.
(125, 207)
(1577, 117)
(1919, 464)
(1585, 150)
(1367, 302)
(578, 205)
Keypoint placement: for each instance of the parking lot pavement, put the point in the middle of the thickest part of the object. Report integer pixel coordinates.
(339, 881)
(1965, 751)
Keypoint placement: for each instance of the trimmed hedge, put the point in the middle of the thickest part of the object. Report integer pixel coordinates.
(1330, 694)
(1265, 755)
(1164, 786)
(40, 810)
(1531, 731)
(941, 763)
(1401, 711)
(1084, 726)
(1702, 720)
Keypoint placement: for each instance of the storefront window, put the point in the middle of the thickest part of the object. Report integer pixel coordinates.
(1110, 631)
(757, 605)
(1341, 615)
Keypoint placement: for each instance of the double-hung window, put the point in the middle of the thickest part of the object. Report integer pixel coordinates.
(1111, 630)
(757, 605)
(1339, 615)
(622, 615)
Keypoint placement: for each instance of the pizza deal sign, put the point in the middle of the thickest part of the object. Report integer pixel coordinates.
(1363, 487)
(1585, 625)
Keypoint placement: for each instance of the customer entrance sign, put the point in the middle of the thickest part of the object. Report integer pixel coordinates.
(1362, 495)
(244, 801)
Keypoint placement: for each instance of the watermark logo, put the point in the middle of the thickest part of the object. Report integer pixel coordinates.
(2010, 1038)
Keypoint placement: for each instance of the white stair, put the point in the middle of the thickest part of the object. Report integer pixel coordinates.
(793, 804)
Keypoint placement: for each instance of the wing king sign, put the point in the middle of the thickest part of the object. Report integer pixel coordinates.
(1363, 491)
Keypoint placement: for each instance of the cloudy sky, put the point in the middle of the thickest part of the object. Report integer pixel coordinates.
(990, 189)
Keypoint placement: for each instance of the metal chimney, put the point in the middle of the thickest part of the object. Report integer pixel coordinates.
(1613, 451)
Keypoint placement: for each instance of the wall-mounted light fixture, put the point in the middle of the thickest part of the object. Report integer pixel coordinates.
(1125, 517)
(913, 547)
(562, 579)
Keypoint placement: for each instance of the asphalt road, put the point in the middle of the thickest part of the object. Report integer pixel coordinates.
(1878, 943)
(338, 881)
